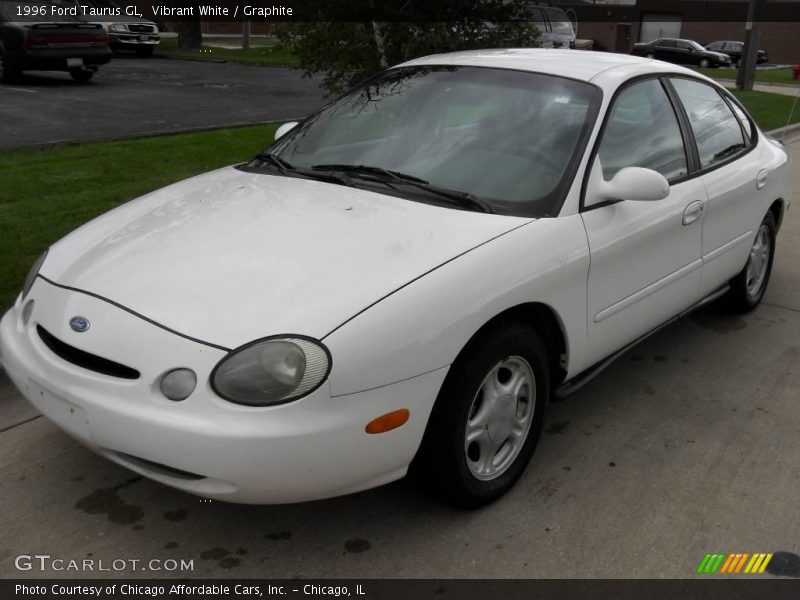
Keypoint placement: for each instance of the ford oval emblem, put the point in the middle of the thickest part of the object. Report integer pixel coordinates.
(79, 324)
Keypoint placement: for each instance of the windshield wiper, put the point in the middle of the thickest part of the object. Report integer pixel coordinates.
(367, 169)
(286, 168)
(388, 176)
(727, 151)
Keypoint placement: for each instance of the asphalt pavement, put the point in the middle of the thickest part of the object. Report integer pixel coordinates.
(687, 445)
(139, 96)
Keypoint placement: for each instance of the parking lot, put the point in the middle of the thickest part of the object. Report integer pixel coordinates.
(132, 96)
(687, 445)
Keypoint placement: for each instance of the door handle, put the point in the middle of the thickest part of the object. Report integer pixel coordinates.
(761, 178)
(692, 212)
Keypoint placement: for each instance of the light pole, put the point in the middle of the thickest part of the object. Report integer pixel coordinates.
(747, 64)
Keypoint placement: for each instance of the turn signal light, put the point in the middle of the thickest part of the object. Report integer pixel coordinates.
(387, 422)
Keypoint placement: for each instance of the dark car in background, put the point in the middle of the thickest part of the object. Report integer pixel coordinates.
(681, 52)
(735, 50)
(33, 39)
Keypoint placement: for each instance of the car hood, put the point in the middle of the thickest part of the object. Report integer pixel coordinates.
(230, 256)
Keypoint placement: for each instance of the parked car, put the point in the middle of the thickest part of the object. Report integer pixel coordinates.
(403, 280)
(734, 51)
(681, 52)
(555, 27)
(125, 33)
(32, 38)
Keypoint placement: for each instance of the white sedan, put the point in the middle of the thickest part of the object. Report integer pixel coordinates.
(402, 281)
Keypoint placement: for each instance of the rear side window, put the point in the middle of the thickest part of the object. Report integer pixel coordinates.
(666, 43)
(716, 129)
(642, 131)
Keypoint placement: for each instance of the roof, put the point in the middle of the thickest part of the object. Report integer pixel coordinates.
(576, 64)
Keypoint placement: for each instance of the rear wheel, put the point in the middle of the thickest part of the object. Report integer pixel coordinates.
(487, 420)
(7, 72)
(704, 63)
(649, 55)
(748, 287)
(81, 76)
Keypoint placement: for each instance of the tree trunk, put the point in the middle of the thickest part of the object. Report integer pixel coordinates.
(189, 35)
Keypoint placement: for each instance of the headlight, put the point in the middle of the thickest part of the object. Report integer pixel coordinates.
(271, 371)
(33, 273)
(117, 27)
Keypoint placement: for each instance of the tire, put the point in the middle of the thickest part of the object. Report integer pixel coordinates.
(8, 74)
(649, 55)
(748, 287)
(144, 51)
(504, 419)
(81, 76)
(704, 63)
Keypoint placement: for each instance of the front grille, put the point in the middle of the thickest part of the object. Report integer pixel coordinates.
(83, 359)
(141, 28)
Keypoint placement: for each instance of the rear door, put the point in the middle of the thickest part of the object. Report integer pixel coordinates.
(733, 174)
(665, 50)
(645, 255)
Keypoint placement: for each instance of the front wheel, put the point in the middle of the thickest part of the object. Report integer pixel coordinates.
(748, 287)
(81, 76)
(487, 419)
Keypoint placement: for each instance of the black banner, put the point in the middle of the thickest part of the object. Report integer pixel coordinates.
(711, 588)
(418, 10)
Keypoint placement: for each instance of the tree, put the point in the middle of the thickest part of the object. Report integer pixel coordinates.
(348, 52)
(189, 34)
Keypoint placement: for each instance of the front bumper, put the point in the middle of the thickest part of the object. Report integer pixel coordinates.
(133, 40)
(313, 448)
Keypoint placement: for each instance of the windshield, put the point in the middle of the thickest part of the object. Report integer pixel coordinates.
(511, 139)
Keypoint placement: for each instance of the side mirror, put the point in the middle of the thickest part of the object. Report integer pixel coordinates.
(630, 183)
(284, 129)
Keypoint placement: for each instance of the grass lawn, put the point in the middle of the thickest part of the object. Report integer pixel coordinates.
(265, 54)
(46, 193)
(769, 110)
(781, 76)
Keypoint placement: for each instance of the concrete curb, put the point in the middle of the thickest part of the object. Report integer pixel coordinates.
(146, 134)
(784, 132)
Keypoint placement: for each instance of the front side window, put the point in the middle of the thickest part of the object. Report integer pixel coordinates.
(642, 131)
(510, 138)
(716, 129)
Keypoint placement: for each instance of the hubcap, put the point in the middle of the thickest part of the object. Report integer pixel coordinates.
(500, 418)
(757, 263)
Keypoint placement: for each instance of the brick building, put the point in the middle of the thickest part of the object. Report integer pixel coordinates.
(616, 28)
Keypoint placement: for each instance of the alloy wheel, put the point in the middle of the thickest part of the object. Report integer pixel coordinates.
(500, 418)
(758, 262)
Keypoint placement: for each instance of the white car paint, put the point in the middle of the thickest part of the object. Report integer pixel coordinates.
(395, 289)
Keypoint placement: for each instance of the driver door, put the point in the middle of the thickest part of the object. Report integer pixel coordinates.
(645, 255)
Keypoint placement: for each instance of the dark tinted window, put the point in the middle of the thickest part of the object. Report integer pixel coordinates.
(715, 127)
(559, 22)
(716, 46)
(642, 131)
(665, 43)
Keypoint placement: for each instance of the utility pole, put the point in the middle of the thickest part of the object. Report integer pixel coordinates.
(747, 64)
(246, 35)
